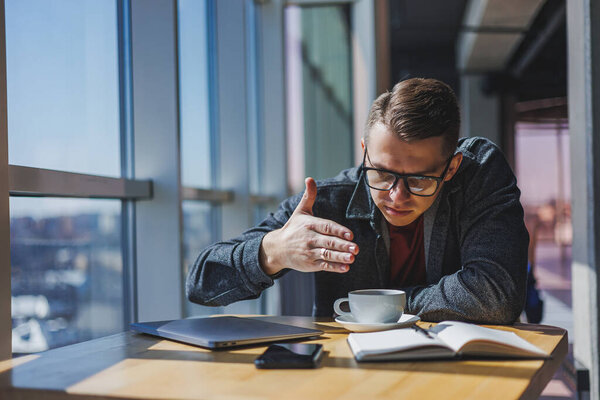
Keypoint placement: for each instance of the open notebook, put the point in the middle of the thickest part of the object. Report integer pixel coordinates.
(448, 339)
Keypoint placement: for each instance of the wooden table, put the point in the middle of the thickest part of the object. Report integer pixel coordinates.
(129, 365)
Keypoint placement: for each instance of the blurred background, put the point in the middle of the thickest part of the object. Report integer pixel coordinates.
(217, 110)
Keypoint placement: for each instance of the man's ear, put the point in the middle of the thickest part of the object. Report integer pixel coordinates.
(362, 143)
(454, 164)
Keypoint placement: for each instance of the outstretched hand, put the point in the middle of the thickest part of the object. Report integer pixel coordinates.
(307, 243)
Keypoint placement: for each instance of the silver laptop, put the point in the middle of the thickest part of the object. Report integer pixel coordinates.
(219, 332)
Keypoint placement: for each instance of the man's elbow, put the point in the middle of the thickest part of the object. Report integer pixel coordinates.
(505, 311)
(216, 295)
(507, 315)
(194, 294)
(198, 294)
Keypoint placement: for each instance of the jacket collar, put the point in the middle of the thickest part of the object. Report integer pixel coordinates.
(361, 205)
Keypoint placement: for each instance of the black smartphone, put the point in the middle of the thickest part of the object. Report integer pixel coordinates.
(290, 355)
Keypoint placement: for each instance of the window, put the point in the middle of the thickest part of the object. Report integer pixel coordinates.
(67, 271)
(198, 224)
(196, 149)
(70, 268)
(63, 85)
(320, 124)
(200, 217)
(319, 95)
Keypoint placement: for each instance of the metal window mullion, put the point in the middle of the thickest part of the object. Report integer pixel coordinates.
(272, 120)
(209, 195)
(231, 59)
(583, 44)
(253, 99)
(364, 69)
(223, 196)
(180, 261)
(213, 76)
(38, 182)
(254, 121)
(128, 234)
(264, 199)
(314, 2)
(5, 273)
(155, 118)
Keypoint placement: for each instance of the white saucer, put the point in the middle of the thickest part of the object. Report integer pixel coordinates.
(348, 322)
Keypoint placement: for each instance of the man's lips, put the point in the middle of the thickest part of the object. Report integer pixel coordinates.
(394, 211)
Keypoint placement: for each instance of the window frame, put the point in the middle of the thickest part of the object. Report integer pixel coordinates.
(5, 270)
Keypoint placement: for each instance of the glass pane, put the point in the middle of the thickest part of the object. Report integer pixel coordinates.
(544, 177)
(194, 94)
(66, 271)
(62, 83)
(270, 299)
(255, 131)
(319, 81)
(197, 234)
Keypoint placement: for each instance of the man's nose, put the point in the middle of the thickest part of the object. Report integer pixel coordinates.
(399, 191)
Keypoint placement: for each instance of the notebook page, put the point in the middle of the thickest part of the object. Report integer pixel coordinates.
(457, 334)
(389, 341)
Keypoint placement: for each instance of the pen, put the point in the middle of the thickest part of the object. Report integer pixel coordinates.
(425, 331)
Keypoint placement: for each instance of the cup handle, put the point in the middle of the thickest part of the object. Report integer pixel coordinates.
(336, 306)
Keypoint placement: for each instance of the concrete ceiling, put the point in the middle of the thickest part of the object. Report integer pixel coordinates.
(491, 31)
(422, 38)
(521, 41)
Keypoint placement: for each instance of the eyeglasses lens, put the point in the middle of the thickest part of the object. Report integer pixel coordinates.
(416, 185)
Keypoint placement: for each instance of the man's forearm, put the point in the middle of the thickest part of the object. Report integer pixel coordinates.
(227, 272)
(230, 271)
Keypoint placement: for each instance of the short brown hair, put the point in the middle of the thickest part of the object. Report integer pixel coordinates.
(417, 109)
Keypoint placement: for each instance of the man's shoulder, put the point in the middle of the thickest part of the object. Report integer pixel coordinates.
(480, 154)
(484, 165)
(478, 149)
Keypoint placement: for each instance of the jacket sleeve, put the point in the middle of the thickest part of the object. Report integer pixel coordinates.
(490, 285)
(230, 271)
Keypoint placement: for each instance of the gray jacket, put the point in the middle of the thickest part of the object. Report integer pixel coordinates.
(475, 245)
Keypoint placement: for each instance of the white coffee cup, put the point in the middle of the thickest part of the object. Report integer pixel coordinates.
(373, 305)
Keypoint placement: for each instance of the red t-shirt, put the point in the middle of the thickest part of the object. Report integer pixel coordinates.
(407, 254)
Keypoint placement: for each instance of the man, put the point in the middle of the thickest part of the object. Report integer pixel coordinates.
(444, 223)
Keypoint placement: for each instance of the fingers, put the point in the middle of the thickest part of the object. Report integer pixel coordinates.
(335, 244)
(331, 260)
(324, 254)
(308, 200)
(332, 267)
(331, 228)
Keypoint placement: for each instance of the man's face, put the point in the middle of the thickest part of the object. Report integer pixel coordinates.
(420, 157)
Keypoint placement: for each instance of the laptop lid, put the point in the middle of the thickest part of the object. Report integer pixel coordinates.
(226, 331)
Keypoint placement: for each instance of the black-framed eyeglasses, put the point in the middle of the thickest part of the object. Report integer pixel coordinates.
(385, 180)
